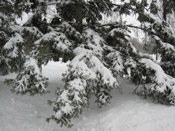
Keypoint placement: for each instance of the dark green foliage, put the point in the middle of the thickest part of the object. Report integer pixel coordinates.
(3, 66)
(102, 92)
(123, 9)
(141, 75)
(28, 81)
(13, 50)
(164, 32)
(145, 18)
(153, 7)
(3, 39)
(36, 21)
(52, 45)
(169, 68)
(149, 86)
(35, 6)
(67, 11)
(91, 10)
(121, 33)
(160, 97)
(168, 8)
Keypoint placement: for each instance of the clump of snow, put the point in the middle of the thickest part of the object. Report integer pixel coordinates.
(163, 80)
(156, 58)
(104, 72)
(81, 68)
(94, 42)
(57, 39)
(89, 65)
(165, 45)
(117, 61)
(32, 62)
(13, 41)
(168, 46)
(13, 50)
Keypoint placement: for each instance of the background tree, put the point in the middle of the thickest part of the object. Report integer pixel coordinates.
(168, 8)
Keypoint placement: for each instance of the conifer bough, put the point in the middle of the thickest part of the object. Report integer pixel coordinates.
(98, 52)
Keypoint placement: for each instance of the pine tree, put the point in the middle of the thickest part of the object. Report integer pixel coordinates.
(154, 79)
(98, 52)
(16, 51)
(6, 19)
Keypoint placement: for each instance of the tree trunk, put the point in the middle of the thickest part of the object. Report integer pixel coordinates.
(79, 15)
(164, 11)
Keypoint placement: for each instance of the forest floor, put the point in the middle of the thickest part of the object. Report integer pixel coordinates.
(126, 112)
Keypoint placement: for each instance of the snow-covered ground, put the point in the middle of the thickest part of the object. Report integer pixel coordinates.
(126, 112)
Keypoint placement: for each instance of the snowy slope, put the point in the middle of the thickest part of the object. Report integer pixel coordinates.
(126, 112)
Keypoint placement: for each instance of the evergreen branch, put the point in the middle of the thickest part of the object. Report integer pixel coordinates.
(112, 25)
(112, 4)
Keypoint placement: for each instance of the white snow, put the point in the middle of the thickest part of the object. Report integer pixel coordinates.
(168, 46)
(106, 74)
(90, 67)
(164, 81)
(126, 112)
(13, 41)
(25, 18)
(81, 69)
(32, 31)
(117, 64)
(77, 84)
(94, 42)
(57, 39)
(12, 45)
(32, 62)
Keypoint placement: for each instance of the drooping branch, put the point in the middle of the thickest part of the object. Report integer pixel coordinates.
(117, 25)
(112, 4)
(163, 37)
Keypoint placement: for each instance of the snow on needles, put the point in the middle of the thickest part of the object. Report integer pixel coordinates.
(32, 62)
(94, 42)
(58, 40)
(106, 74)
(31, 31)
(90, 66)
(80, 67)
(164, 81)
(13, 41)
(117, 64)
